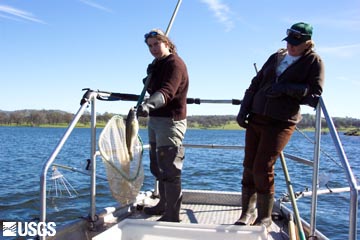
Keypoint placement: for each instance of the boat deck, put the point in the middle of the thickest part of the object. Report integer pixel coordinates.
(216, 215)
(206, 215)
(218, 210)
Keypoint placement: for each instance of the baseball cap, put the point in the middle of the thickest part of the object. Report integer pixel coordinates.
(298, 33)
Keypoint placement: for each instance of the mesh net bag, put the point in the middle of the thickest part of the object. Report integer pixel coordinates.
(125, 175)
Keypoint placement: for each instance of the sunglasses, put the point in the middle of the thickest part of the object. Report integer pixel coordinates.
(295, 34)
(151, 34)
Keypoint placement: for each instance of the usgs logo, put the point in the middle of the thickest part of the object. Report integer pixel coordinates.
(13, 229)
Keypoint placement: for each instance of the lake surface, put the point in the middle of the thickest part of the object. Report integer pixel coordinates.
(23, 150)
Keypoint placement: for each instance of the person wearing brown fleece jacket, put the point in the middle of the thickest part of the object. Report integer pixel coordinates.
(166, 107)
(269, 111)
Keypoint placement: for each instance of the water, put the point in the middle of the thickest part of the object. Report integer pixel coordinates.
(23, 151)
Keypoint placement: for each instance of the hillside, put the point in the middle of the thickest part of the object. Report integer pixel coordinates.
(60, 118)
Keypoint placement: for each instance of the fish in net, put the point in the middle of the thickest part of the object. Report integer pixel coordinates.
(124, 167)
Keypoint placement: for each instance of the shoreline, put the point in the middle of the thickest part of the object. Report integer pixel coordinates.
(349, 131)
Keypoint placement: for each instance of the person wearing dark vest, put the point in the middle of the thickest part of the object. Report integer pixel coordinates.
(269, 112)
(167, 124)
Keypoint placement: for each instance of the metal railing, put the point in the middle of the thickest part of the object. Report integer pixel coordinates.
(51, 159)
(344, 162)
(93, 95)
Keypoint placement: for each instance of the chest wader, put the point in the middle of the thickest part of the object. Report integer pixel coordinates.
(159, 208)
(170, 162)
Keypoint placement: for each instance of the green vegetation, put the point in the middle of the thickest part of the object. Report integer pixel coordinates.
(55, 118)
(353, 132)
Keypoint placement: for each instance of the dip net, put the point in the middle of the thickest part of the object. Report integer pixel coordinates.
(125, 176)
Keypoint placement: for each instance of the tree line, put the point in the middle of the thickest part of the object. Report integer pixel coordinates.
(57, 117)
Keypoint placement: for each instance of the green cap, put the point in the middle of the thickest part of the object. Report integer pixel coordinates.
(299, 33)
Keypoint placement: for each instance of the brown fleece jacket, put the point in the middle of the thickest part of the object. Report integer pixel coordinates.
(308, 70)
(170, 77)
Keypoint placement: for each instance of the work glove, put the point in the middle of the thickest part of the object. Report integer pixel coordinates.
(295, 90)
(242, 117)
(310, 100)
(156, 101)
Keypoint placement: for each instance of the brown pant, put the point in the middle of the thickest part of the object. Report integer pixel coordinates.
(265, 139)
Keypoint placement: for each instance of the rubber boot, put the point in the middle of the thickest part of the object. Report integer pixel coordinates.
(248, 213)
(173, 205)
(265, 204)
(170, 160)
(159, 208)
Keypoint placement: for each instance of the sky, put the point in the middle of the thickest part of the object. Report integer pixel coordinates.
(51, 50)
